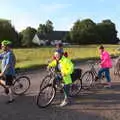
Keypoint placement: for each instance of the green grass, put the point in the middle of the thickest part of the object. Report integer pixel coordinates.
(35, 57)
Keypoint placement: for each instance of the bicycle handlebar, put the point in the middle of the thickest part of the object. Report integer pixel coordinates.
(52, 71)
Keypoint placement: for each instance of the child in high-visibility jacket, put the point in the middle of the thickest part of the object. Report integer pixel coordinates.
(66, 67)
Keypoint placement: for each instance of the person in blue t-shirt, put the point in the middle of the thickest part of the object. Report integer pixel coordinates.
(7, 68)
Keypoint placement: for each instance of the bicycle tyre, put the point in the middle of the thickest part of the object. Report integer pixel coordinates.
(40, 97)
(45, 81)
(18, 85)
(87, 79)
(76, 87)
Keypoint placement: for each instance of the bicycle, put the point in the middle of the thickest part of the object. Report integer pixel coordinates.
(21, 83)
(89, 77)
(117, 67)
(48, 92)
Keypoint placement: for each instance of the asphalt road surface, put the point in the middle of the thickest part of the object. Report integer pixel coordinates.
(94, 104)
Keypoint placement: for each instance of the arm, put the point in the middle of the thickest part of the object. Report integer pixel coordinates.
(1, 56)
(52, 64)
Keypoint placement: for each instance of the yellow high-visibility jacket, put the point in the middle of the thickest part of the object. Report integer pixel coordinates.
(66, 68)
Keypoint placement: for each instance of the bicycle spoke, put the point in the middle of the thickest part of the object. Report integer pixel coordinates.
(45, 96)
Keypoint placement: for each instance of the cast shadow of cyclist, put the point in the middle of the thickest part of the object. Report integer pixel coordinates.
(102, 99)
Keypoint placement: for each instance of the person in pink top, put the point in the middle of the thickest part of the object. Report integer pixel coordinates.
(105, 65)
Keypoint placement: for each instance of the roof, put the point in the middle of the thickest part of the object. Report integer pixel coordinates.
(55, 35)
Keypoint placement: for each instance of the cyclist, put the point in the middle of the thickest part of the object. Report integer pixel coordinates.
(66, 67)
(105, 65)
(59, 48)
(7, 68)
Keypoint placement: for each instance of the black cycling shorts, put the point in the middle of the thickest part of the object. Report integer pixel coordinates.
(8, 79)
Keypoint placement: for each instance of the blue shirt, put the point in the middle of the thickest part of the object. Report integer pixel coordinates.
(8, 58)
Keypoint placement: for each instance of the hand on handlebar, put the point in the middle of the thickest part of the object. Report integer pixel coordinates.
(48, 68)
(98, 62)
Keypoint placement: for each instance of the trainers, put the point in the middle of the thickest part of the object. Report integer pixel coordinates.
(64, 103)
(7, 90)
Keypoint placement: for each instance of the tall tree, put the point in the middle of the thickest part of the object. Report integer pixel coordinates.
(45, 28)
(49, 26)
(42, 29)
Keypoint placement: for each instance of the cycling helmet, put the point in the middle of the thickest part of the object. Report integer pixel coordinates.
(6, 43)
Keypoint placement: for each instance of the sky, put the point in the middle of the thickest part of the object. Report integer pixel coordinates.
(63, 13)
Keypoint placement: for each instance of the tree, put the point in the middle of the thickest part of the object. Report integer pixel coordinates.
(7, 31)
(107, 32)
(45, 28)
(84, 32)
(42, 29)
(27, 36)
(88, 32)
(49, 26)
(67, 38)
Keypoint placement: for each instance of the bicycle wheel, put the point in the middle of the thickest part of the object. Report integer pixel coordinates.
(45, 81)
(87, 79)
(46, 96)
(76, 87)
(21, 85)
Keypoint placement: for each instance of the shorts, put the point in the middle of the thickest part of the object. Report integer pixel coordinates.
(8, 79)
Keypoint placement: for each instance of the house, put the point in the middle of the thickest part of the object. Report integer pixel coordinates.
(38, 41)
(52, 38)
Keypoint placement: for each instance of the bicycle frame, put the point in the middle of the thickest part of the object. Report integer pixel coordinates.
(54, 75)
(94, 72)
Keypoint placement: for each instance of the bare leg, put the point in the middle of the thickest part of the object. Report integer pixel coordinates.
(2, 83)
(10, 94)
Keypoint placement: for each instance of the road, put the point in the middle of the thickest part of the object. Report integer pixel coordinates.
(98, 104)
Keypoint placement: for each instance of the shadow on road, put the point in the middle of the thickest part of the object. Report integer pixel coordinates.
(100, 99)
(24, 108)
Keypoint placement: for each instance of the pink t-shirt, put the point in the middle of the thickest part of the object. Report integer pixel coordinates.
(106, 60)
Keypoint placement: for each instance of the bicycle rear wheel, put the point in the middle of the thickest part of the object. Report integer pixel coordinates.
(87, 79)
(46, 96)
(21, 85)
(76, 87)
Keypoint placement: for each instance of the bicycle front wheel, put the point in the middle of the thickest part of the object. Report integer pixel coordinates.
(45, 81)
(46, 96)
(87, 79)
(21, 85)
